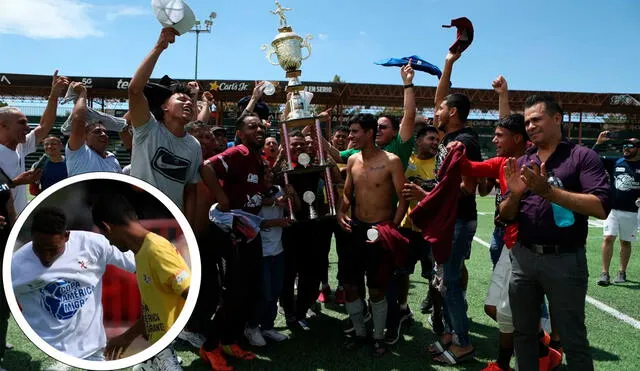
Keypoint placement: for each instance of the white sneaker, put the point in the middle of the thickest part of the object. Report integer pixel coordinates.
(146, 366)
(274, 335)
(192, 338)
(58, 366)
(254, 336)
(167, 360)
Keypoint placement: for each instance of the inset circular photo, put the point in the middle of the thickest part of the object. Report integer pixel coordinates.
(102, 272)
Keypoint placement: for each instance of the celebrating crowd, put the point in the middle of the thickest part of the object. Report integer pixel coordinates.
(405, 193)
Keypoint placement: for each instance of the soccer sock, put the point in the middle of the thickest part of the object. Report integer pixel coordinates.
(379, 313)
(504, 357)
(355, 309)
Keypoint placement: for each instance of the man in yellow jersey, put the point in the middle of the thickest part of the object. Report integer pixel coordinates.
(162, 274)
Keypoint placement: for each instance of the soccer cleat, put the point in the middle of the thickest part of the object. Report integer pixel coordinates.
(555, 359)
(493, 366)
(546, 339)
(167, 360)
(193, 338)
(324, 295)
(254, 336)
(303, 325)
(58, 366)
(621, 277)
(215, 359)
(348, 325)
(274, 335)
(235, 351)
(604, 279)
(145, 366)
(392, 335)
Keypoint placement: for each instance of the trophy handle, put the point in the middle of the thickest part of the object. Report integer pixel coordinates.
(306, 44)
(270, 51)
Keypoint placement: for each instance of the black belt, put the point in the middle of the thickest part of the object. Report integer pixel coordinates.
(551, 249)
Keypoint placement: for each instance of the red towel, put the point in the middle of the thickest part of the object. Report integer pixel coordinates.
(436, 215)
(393, 241)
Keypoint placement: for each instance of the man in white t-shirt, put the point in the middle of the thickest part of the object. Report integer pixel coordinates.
(164, 155)
(86, 150)
(17, 141)
(57, 280)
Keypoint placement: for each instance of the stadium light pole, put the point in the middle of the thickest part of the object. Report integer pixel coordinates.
(197, 29)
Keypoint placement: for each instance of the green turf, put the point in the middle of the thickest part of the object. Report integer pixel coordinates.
(614, 344)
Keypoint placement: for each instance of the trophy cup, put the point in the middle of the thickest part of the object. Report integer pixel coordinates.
(287, 46)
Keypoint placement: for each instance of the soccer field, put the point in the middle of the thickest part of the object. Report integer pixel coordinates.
(615, 344)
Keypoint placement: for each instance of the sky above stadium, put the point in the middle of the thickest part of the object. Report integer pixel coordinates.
(587, 46)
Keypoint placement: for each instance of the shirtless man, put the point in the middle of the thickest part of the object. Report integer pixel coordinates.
(373, 176)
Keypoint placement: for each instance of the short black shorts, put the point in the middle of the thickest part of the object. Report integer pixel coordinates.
(363, 257)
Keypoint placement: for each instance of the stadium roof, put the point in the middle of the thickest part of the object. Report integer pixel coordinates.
(331, 94)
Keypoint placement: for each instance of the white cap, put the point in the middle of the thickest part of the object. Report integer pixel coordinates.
(175, 14)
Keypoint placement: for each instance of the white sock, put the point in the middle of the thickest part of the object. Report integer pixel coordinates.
(354, 309)
(379, 312)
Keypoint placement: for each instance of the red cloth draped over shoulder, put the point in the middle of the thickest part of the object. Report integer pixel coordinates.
(436, 215)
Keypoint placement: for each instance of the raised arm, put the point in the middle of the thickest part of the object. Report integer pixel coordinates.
(78, 117)
(48, 118)
(445, 81)
(138, 104)
(255, 97)
(205, 113)
(408, 123)
(500, 86)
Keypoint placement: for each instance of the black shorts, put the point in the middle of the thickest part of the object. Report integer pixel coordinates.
(419, 250)
(363, 257)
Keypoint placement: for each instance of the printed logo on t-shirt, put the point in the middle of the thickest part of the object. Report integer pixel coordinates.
(83, 264)
(146, 279)
(625, 182)
(171, 166)
(64, 298)
(254, 201)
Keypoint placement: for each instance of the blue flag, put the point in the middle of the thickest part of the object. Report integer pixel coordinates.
(417, 63)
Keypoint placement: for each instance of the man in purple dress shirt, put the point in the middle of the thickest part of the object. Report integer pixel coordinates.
(548, 259)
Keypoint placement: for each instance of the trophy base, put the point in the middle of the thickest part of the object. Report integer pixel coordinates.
(301, 122)
(296, 73)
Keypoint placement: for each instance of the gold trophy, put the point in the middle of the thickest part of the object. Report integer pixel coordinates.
(287, 46)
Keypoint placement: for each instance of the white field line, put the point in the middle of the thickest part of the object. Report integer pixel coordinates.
(596, 303)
